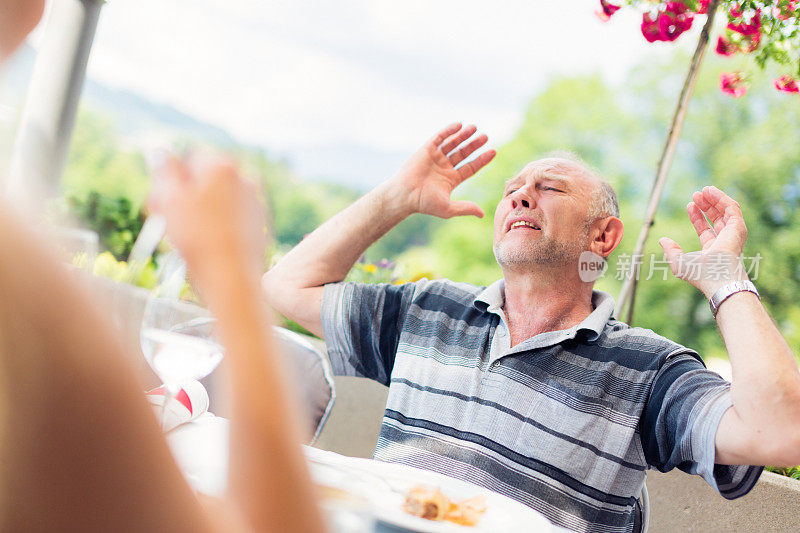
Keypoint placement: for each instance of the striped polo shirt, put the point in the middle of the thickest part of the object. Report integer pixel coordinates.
(567, 422)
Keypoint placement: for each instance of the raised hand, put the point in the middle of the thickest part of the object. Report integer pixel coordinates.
(213, 215)
(722, 240)
(429, 176)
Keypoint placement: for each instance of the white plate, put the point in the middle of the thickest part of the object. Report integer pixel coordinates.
(384, 487)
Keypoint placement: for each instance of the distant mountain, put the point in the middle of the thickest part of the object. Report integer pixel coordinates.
(143, 122)
(136, 118)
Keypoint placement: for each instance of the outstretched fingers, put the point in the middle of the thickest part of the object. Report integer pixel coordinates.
(174, 169)
(710, 210)
(724, 204)
(453, 142)
(672, 253)
(171, 175)
(440, 137)
(721, 210)
(464, 207)
(460, 155)
(471, 168)
(704, 230)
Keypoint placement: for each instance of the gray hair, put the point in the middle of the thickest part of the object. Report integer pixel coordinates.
(604, 201)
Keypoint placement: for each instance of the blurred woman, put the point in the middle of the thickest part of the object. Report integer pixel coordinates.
(80, 449)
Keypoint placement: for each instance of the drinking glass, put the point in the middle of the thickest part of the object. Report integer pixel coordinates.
(177, 337)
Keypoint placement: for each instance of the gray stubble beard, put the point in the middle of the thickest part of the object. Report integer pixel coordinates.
(547, 252)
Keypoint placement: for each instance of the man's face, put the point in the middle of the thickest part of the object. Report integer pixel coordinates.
(17, 19)
(543, 217)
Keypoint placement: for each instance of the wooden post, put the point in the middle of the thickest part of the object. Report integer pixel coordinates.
(628, 293)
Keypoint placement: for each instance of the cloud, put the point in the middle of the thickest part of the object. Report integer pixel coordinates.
(371, 72)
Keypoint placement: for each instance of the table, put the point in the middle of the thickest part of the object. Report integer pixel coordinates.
(381, 489)
(201, 450)
(374, 490)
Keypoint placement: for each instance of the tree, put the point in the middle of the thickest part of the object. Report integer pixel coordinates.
(747, 147)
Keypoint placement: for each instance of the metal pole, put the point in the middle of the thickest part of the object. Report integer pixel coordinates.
(628, 292)
(42, 141)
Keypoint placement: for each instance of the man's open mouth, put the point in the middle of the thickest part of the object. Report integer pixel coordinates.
(524, 224)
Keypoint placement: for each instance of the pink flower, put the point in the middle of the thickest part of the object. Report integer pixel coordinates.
(702, 7)
(787, 84)
(671, 27)
(785, 11)
(726, 47)
(733, 83)
(608, 8)
(650, 28)
(746, 28)
(750, 43)
(668, 24)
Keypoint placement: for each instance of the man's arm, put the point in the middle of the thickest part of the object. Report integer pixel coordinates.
(761, 427)
(423, 185)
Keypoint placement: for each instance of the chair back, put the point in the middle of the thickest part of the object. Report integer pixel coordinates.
(311, 375)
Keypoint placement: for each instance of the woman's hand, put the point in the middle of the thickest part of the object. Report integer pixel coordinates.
(213, 216)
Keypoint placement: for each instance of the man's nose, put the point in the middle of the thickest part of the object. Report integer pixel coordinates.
(522, 198)
(521, 202)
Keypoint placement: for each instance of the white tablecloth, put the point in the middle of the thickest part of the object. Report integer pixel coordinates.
(201, 450)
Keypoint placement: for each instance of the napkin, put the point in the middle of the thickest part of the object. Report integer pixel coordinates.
(190, 402)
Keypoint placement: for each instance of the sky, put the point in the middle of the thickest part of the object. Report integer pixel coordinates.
(319, 79)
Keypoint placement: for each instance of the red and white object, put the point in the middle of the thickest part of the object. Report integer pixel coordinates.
(190, 402)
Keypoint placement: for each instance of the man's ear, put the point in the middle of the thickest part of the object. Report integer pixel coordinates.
(609, 234)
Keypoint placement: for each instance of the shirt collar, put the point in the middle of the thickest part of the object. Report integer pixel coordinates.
(492, 299)
(492, 296)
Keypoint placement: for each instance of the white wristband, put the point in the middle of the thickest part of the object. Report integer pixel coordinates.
(726, 291)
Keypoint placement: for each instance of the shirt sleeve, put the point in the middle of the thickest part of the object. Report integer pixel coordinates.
(361, 323)
(680, 422)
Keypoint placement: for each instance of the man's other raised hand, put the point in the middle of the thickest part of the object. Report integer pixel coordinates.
(719, 224)
(430, 175)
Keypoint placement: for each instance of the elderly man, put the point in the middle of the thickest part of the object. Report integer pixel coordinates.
(529, 387)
